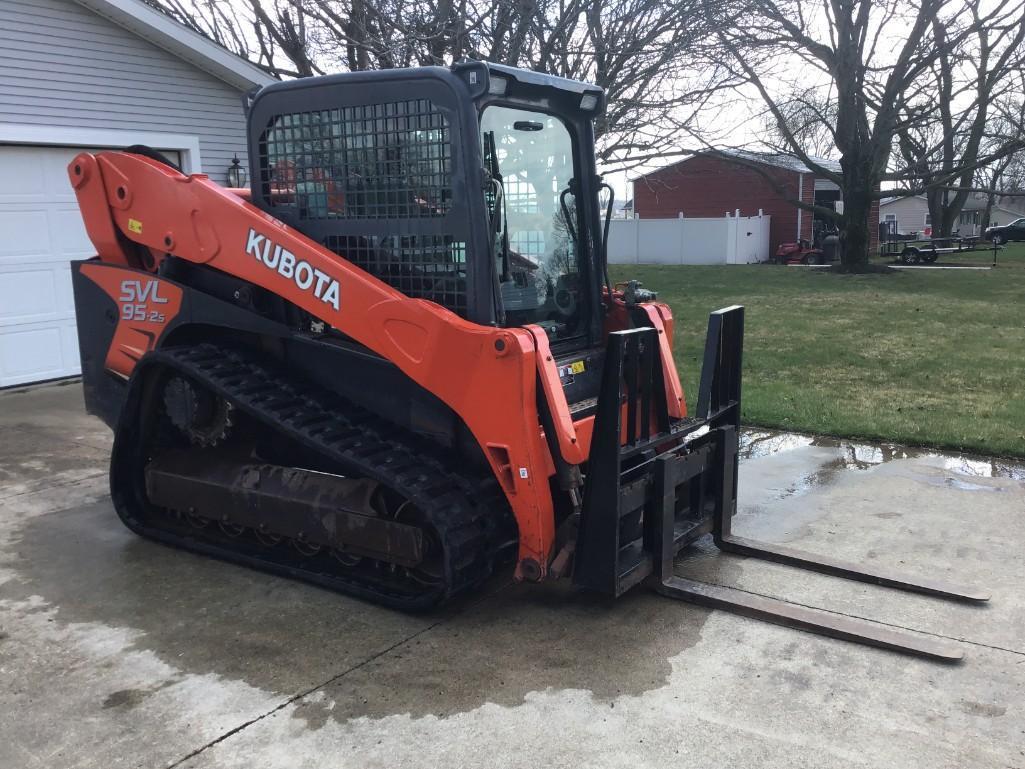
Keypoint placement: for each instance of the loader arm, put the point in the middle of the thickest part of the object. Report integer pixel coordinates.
(126, 197)
(195, 219)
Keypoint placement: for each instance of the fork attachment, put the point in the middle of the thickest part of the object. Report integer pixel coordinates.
(655, 486)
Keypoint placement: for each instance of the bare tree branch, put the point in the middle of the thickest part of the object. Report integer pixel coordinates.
(862, 74)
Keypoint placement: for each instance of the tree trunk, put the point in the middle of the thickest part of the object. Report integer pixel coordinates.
(995, 176)
(858, 195)
(934, 198)
(944, 212)
(987, 212)
(951, 217)
(855, 235)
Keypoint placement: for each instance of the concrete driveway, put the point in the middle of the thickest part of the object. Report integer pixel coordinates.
(116, 652)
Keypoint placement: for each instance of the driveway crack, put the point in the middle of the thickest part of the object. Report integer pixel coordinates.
(43, 485)
(306, 692)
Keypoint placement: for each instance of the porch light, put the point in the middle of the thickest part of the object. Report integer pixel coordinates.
(236, 173)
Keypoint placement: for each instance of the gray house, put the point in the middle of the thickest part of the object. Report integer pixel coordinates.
(911, 215)
(92, 74)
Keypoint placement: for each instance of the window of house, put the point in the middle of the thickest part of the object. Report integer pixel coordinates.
(928, 220)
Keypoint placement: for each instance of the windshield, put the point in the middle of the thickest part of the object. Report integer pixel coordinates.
(537, 254)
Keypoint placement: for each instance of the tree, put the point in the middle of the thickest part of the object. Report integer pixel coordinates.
(862, 70)
(970, 85)
(275, 35)
(807, 118)
(639, 51)
(1005, 176)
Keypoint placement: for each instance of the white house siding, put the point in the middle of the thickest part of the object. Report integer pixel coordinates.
(910, 213)
(65, 66)
(70, 79)
(1003, 216)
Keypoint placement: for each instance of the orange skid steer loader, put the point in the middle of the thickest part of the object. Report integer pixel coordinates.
(398, 359)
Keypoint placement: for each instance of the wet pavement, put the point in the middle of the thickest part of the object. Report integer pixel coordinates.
(118, 652)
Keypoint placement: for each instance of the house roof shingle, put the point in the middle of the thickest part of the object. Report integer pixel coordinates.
(782, 160)
(777, 160)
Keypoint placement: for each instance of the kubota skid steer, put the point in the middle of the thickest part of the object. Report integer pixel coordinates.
(398, 358)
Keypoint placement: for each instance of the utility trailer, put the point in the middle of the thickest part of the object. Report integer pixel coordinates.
(928, 250)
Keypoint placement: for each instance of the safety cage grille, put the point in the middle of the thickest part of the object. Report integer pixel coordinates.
(370, 161)
(429, 267)
(330, 171)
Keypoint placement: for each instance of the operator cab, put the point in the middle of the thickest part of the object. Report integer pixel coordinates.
(473, 187)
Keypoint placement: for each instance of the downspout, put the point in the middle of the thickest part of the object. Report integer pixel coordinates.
(800, 197)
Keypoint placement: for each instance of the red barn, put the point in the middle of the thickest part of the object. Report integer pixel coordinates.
(715, 183)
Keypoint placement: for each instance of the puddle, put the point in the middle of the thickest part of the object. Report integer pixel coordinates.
(855, 455)
(813, 462)
(797, 464)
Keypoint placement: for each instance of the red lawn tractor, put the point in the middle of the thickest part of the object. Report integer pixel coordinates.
(801, 252)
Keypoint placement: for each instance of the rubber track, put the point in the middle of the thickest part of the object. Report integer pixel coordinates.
(462, 510)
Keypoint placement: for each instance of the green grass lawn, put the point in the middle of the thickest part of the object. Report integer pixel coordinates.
(925, 357)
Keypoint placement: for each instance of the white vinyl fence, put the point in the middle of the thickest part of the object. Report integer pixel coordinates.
(729, 240)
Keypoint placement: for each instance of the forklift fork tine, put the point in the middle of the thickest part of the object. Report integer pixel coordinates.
(726, 540)
(804, 618)
(672, 471)
(847, 569)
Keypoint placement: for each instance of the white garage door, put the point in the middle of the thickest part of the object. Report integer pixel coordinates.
(41, 232)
